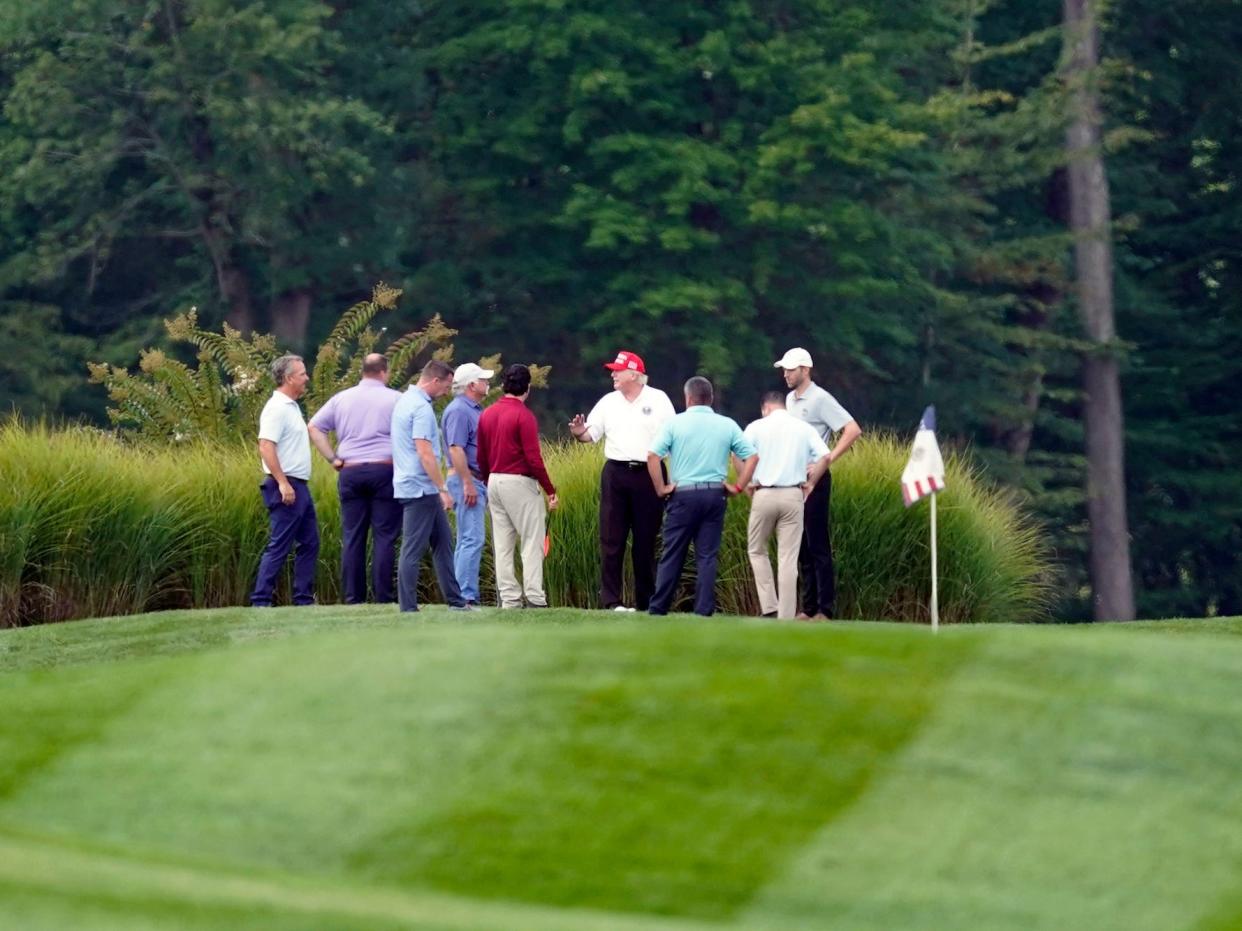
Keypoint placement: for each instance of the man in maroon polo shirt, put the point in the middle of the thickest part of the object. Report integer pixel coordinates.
(512, 465)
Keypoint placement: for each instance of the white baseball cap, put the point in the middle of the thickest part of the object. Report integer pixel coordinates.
(469, 372)
(794, 359)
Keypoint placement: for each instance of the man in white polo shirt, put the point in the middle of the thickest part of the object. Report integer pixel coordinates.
(811, 403)
(284, 448)
(792, 459)
(628, 420)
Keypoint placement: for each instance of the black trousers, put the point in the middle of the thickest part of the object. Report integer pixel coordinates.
(368, 507)
(627, 505)
(817, 588)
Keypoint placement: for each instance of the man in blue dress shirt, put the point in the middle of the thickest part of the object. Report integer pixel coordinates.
(698, 443)
(419, 485)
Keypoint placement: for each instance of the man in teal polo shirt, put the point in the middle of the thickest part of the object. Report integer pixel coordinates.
(698, 443)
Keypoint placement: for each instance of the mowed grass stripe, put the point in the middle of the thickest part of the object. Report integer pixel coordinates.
(33, 866)
(661, 767)
(1068, 779)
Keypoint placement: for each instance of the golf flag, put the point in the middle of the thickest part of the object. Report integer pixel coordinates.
(924, 473)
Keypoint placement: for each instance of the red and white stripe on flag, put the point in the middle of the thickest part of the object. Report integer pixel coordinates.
(924, 473)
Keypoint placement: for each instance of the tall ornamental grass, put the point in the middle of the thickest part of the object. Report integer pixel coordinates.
(994, 564)
(90, 526)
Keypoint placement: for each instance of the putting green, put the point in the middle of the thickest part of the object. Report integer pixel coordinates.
(349, 768)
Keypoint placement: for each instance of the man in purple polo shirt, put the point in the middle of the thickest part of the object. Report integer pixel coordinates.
(361, 417)
(460, 426)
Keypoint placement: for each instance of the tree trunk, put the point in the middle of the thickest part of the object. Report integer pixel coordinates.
(235, 288)
(231, 279)
(1090, 222)
(291, 318)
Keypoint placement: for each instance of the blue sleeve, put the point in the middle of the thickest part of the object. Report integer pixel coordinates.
(664, 440)
(742, 447)
(456, 426)
(423, 424)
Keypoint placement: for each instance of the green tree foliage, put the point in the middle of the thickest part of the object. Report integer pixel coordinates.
(706, 183)
(220, 398)
(1180, 276)
(206, 135)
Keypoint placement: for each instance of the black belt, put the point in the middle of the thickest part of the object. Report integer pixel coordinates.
(628, 463)
(700, 486)
(766, 487)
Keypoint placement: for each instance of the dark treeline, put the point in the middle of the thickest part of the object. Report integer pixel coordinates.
(706, 183)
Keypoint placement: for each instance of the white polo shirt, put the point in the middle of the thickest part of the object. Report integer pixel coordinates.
(818, 408)
(629, 427)
(282, 423)
(786, 446)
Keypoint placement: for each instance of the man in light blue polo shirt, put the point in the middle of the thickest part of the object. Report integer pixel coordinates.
(418, 484)
(698, 443)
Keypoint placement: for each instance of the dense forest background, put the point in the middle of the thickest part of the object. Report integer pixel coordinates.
(707, 183)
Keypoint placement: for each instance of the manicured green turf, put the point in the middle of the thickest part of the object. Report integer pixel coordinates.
(347, 767)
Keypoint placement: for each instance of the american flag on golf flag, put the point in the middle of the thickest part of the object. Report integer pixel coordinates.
(924, 473)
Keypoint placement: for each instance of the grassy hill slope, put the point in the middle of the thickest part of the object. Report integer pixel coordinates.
(346, 768)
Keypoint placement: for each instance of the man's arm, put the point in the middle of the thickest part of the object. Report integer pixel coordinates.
(849, 433)
(662, 488)
(457, 456)
(427, 456)
(267, 452)
(745, 474)
(482, 440)
(579, 430)
(320, 441)
(528, 436)
(814, 473)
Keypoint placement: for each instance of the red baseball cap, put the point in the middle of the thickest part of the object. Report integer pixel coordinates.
(628, 362)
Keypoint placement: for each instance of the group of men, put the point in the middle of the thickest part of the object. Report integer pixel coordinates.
(664, 473)
(390, 454)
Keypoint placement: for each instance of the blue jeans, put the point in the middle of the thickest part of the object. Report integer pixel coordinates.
(693, 515)
(425, 524)
(471, 535)
(290, 524)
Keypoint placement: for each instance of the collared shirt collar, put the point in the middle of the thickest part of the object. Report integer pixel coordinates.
(809, 389)
(699, 407)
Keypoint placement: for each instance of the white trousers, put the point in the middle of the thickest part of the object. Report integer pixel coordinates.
(518, 515)
(778, 509)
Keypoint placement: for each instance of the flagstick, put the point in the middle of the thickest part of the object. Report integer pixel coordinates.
(935, 599)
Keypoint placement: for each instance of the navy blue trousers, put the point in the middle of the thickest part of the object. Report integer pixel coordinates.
(425, 524)
(367, 506)
(694, 515)
(290, 524)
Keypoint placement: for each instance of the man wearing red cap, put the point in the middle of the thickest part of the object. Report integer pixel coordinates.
(628, 420)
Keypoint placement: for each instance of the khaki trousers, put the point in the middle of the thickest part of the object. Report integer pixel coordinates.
(778, 509)
(518, 515)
